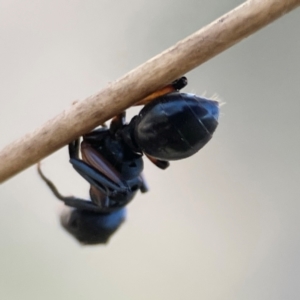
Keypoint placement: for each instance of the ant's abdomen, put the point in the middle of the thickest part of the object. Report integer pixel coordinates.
(176, 125)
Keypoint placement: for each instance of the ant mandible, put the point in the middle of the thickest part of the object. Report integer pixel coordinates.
(171, 126)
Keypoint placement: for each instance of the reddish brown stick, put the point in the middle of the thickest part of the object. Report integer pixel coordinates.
(140, 82)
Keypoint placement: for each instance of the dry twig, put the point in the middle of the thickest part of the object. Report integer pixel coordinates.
(140, 82)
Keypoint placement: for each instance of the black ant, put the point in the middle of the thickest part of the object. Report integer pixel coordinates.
(171, 126)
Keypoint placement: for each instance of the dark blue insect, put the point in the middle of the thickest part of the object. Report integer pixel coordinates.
(171, 126)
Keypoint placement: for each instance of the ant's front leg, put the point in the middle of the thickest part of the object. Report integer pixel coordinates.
(101, 175)
(93, 176)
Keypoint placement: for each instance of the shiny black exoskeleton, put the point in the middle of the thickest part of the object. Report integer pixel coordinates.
(172, 126)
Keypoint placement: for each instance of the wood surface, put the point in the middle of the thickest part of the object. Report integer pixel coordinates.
(162, 69)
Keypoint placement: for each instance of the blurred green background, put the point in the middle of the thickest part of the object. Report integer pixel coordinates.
(223, 224)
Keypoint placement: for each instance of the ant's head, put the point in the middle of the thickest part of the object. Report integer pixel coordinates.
(176, 125)
(91, 228)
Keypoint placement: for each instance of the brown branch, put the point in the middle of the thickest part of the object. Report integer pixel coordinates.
(140, 82)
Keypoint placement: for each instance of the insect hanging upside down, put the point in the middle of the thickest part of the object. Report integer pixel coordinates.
(171, 126)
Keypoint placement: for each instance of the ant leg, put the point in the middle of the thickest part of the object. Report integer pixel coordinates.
(176, 85)
(69, 201)
(95, 136)
(97, 179)
(117, 122)
(143, 184)
(180, 83)
(162, 164)
(101, 175)
(74, 148)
